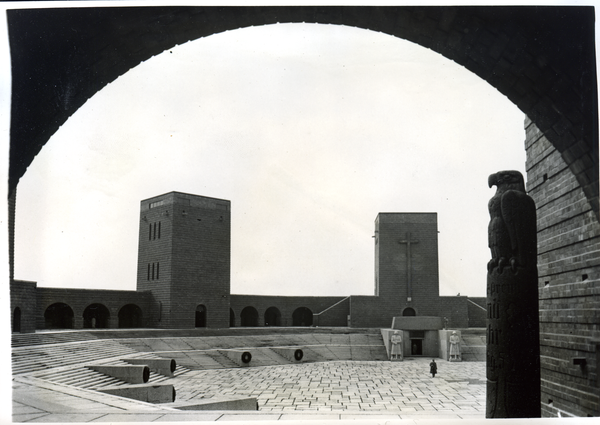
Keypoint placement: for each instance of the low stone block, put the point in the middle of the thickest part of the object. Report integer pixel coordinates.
(148, 393)
(134, 374)
(162, 366)
(291, 354)
(217, 403)
(242, 358)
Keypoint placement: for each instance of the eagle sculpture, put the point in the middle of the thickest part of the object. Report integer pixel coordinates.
(512, 233)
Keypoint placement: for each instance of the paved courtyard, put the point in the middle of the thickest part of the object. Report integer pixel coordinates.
(337, 390)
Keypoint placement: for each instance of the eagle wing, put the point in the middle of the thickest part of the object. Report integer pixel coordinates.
(519, 216)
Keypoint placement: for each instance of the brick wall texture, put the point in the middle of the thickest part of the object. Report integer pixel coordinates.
(23, 306)
(184, 258)
(569, 282)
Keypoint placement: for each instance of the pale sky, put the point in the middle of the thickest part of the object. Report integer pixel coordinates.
(309, 130)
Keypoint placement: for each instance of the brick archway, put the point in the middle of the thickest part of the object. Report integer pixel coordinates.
(541, 58)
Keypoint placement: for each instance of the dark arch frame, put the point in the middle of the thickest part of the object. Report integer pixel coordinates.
(201, 316)
(249, 316)
(541, 58)
(272, 316)
(100, 313)
(16, 320)
(231, 318)
(58, 316)
(302, 316)
(409, 312)
(130, 316)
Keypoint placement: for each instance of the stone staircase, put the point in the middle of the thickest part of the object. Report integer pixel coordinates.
(43, 357)
(44, 338)
(82, 377)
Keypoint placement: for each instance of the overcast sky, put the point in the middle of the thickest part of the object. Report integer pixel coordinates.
(309, 130)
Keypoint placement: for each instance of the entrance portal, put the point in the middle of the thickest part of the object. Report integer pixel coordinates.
(201, 316)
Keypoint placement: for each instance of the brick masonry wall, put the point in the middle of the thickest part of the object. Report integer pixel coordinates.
(456, 310)
(79, 299)
(477, 316)
(23, 297)
(569, 282)
(154, 271)
(193, 252)
(391, 263)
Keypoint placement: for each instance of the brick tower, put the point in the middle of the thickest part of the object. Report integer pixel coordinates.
(406, 263)
(184, 260)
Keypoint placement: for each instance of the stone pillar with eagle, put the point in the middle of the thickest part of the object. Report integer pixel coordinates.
(513, 347)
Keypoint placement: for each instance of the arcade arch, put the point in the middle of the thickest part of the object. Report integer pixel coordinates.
(200, 316)
(130, 316)
(96, 316)
(409, 311)
(16, 323)
(526, 53)
(249, 317)
(272, 317)
(302, 316)
(58, 316)
(231, 318)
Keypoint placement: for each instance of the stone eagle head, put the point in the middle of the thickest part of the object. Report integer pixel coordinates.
(507, 180)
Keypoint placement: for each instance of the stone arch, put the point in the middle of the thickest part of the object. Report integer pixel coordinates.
(409, 311)
(96, 316)
(130, 316)
(541, 58)
(272, 317)
(302, 316)
(200, 316)
(231, 318)
(58, 316)
(16, 322)
(249, 316)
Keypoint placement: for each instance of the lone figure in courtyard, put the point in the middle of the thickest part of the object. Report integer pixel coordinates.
(433, 368)
(454, 347)
(396, 351)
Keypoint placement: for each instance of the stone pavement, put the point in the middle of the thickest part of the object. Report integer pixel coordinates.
(336, 390)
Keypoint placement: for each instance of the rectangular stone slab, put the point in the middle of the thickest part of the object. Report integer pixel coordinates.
(148, 393)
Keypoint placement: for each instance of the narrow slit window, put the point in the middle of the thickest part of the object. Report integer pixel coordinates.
(157, 269)
(148, 271)
(159, 230)
(152, 271)
(154, 231)
(150, 232)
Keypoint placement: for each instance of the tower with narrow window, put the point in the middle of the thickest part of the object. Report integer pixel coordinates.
(184, 260)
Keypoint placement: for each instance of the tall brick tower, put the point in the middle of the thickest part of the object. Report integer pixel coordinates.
(184, 260)
(406, 263)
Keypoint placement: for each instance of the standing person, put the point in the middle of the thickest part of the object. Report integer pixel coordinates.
(433, 368)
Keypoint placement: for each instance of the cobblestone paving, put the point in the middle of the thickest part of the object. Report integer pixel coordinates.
(340, 386)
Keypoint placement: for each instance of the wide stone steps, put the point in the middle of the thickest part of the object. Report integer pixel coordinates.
(82, 377)
(37, 358)
(39, 338)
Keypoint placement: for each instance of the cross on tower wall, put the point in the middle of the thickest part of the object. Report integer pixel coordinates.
(406, 262)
